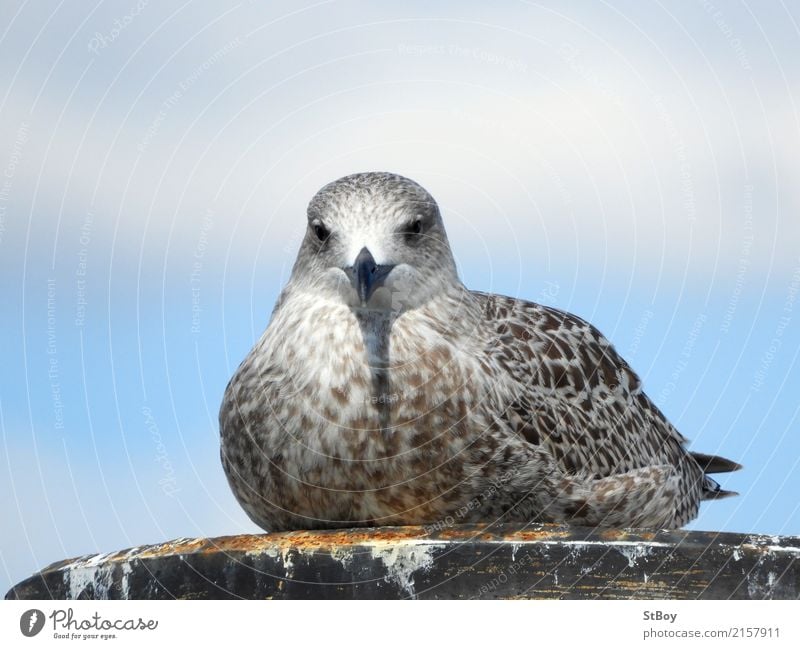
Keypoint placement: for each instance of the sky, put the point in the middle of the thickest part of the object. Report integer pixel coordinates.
(635, 163)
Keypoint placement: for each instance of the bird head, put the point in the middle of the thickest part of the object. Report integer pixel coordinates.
(375, 241)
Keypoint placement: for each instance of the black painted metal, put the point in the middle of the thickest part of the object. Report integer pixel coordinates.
(459, 562)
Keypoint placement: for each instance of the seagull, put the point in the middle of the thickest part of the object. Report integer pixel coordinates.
(384, 392)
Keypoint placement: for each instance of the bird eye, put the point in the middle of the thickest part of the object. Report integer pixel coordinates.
(415, 227)
(321, 231)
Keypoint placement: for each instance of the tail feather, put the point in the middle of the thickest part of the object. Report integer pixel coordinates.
(718, 494)
(712, 490)
(715, 463)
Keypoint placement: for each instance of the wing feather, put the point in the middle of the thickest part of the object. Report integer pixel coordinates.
(576, 395)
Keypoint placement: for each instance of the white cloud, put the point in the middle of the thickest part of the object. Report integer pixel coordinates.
(540, 137)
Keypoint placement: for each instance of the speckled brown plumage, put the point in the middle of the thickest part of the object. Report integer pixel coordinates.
(383, 392)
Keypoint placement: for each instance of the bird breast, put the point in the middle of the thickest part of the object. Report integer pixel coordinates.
(360, 387)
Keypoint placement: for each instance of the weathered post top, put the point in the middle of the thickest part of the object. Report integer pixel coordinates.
(460, 562)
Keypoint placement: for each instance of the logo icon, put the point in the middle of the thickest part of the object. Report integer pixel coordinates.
(31, 622)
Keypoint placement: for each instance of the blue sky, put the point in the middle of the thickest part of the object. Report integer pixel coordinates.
(634, 163)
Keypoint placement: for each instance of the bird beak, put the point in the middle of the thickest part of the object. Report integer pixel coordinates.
(366, 275)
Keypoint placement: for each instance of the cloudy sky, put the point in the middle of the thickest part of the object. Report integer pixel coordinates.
(633, 162)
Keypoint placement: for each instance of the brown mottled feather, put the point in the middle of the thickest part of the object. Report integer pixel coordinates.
(436, 405)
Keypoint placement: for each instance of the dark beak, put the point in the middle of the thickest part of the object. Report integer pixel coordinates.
(366, 275)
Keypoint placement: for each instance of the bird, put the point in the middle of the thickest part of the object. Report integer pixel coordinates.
(384, 392)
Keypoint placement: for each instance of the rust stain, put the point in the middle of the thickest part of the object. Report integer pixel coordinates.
(533, 535)
(364, 539)
(612, 535)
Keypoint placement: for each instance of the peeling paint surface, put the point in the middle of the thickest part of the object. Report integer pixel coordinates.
(402, 560)
(634, 552)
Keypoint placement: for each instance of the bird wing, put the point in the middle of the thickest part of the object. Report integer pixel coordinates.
(575, 395)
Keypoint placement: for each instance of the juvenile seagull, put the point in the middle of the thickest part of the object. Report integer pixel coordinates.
(384, 392)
